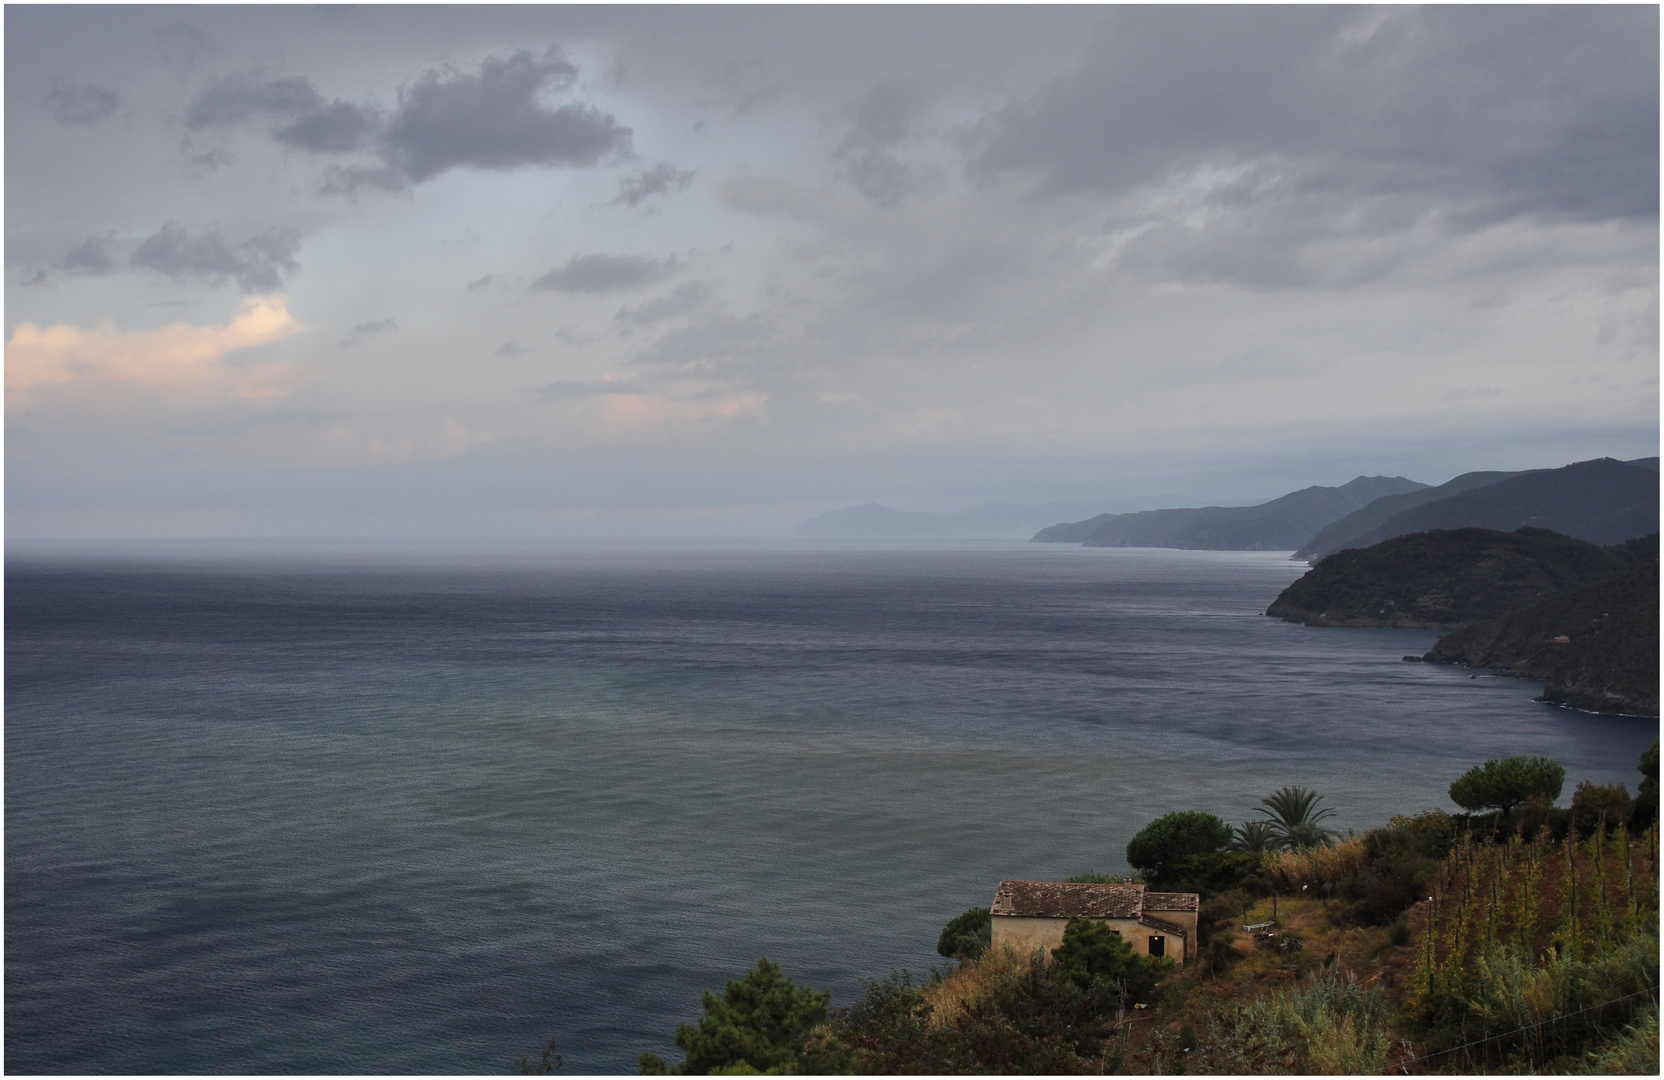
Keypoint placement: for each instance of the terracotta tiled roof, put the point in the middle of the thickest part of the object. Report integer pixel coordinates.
(1171, 901)
(1065, 900)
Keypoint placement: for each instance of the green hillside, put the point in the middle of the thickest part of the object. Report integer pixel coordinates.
(1442, 579)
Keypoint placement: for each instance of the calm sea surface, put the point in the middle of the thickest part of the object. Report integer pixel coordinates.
(285, 816)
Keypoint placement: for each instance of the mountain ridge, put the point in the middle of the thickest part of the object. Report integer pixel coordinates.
(1281, 524)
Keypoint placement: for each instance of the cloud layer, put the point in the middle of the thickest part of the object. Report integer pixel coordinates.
(181, 359)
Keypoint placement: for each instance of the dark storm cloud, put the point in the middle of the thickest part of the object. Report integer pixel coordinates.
(257, 264)
(494, 120)
(81, 106)
(1486, 112)
(606, 273)
(658, 180)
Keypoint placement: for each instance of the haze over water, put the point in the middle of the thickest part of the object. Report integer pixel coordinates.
(279, 815)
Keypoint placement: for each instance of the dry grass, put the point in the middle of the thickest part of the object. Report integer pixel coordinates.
(972, 983)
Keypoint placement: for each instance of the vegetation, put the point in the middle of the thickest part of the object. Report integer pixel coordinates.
(1255, 836)
(544, 1066)
(1508, 782)
(1594, 647)
(1442, 579)
(762, 1023)
(1167, 847)
(1091, 950)
(1296, 818)
(966, 936)
(1521, 939)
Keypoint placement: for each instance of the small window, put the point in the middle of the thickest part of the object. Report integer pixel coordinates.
(1158, 945)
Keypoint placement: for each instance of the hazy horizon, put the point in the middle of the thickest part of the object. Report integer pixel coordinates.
(536, 273)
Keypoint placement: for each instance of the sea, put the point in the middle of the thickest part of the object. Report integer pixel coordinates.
(422, 812)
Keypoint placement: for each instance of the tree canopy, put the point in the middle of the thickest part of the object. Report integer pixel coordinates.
(1169, 840)
(1507, 782)
(967, 935)
(760, 1024)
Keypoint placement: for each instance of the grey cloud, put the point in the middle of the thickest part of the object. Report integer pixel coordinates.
(257, 264)
(511, 348)
(337, 128)
(91, 256)
(208, 162)
(885, 114)
(719, 345)
(598, 274)
(566, 389)
(184, 46)
(687, 297)
(658, 180)
(82, 106)
(233, 99)
(482, 283)
(302, 117)
(494, 120)
(1486, 113)
(351, 179)
(365, 328)
(881, 119)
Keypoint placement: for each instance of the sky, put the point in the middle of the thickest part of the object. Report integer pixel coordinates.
(616, 271)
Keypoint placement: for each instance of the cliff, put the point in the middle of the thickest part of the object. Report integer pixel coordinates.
(1595, 647)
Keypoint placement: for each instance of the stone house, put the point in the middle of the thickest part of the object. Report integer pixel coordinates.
(1029, 915)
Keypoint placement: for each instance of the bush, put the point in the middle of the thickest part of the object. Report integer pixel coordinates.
(1593, 804)
(1000, 1013)
(1092, 951)
(761, 1023)
(1329, 1025)
(967, 935)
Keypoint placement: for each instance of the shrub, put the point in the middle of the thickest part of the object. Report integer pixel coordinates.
(761, 1022)
(967, 935)
(1328, 1025)
(1092, 951)
(1594, 803)
(999, 1013)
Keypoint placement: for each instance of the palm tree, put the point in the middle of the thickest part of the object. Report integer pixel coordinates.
(1255, 836)
(1295, 818)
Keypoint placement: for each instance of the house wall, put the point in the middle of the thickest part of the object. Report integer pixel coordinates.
(1024, 935)
(1186, 919)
